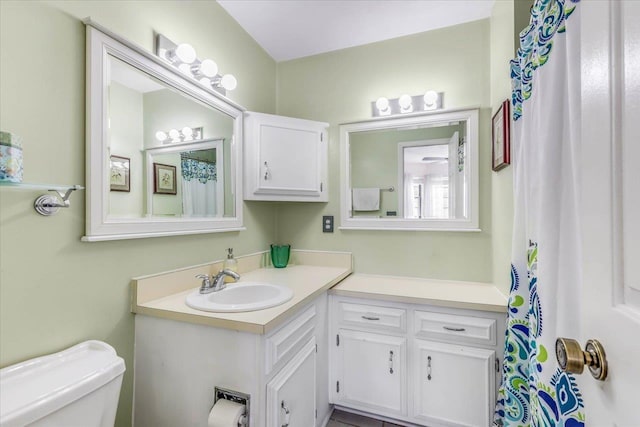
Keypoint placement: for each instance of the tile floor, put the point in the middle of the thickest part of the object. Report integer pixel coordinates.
(347, 419)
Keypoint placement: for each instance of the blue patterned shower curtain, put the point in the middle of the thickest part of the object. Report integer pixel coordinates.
(545, 273)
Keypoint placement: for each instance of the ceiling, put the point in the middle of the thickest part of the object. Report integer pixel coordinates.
(289, 29)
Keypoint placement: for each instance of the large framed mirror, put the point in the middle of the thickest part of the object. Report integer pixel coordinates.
(163, 153)
(417, 172)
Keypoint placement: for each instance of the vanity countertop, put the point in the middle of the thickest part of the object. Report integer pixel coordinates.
(444, 293)
(164, 295)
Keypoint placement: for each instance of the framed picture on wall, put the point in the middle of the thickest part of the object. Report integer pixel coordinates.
(501, 138)
(164, 179)
(120, 168)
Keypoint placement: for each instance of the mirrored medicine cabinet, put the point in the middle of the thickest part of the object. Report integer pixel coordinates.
(163, 152)
(417, 172)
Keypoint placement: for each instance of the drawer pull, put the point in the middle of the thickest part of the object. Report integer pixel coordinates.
(391, 362)
(287, 415)
(429, 368)
(449, 328)
(370, 318)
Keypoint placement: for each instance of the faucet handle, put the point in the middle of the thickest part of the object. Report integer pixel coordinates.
(206, 281)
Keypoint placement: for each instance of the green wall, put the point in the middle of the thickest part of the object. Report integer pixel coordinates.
(338, 87)
(56, 291)
(508, 18)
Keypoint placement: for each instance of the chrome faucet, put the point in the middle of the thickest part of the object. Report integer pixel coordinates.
(216, 283)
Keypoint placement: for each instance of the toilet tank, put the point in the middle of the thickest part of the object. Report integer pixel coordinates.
(77, 387)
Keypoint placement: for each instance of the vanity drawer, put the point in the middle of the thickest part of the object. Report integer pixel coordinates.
(373, 317)
(286, 341)
(453, 327)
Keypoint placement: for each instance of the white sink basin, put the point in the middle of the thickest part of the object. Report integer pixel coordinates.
(242, 296)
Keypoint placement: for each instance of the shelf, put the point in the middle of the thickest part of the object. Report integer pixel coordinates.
(44, 187)
(46, 204)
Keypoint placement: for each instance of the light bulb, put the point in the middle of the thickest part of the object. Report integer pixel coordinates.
(174, 134)
(228, 82)
(431, 99)
(161, 136)
(185, 53)
(185, 68)
(382, 104)
(406, 103)
(208, 68)
(205, 81)
(187, 132)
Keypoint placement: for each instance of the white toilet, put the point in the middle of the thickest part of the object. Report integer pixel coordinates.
(77, 387)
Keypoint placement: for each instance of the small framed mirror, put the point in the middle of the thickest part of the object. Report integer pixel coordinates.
(163, 152)
(417, 172)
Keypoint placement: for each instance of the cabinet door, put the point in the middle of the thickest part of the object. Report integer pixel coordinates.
(454, 384)
(291, 394)
(286, 158)
(371, 372)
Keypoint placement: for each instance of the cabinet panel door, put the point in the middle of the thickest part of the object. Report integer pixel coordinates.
(290, 160)
(454, 384)
(371, 371)
(291, 394)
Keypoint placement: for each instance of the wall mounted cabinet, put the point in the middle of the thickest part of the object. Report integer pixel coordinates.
(285, 159)
(417, 372)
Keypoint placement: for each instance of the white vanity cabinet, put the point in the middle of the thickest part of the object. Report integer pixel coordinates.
(368, 363)
(285, 159)
(291, 394)
(178, 365)
(453, 384)
(421, 364)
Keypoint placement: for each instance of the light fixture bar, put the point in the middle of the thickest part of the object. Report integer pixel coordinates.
(203, 71)
(184, 134)
(429, 101)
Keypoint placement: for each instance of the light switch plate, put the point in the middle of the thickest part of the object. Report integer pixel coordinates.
(327, 224)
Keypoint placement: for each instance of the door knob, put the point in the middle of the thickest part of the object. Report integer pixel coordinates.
(572, 358)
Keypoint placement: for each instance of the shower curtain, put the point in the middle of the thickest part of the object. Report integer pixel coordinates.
(199, 180)
(545, 273)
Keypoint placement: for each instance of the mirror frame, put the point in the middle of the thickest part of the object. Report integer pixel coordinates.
(470, 116)
(101, 44)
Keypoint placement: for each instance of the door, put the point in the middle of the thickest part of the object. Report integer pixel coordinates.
(453, 384)
(371, 372)
(610, 52)
(291, 394)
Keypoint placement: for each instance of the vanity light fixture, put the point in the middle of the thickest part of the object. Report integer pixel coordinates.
(405, 104)
(183, 56)
(183, 135)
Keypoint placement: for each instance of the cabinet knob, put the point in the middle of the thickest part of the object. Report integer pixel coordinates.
(266, 171)
(391, 362)
(429, 368)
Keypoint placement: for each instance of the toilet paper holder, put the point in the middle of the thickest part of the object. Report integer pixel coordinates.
(234, 396)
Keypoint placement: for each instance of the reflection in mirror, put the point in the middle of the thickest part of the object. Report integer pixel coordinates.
(417, 172)
(199, 172)
(140, 107)
(164, 152)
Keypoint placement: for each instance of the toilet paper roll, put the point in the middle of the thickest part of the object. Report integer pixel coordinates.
(225, 413)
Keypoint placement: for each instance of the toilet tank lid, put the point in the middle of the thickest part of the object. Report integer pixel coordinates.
(34, 388)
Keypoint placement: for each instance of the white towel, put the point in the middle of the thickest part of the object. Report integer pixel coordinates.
(365, 199)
